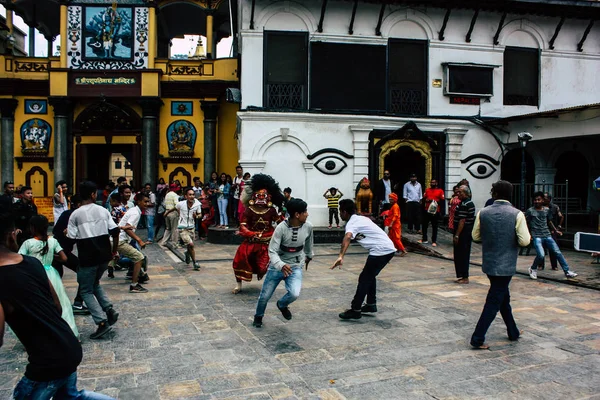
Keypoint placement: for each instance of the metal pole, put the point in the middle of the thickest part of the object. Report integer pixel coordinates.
(567, 205)
(523, 172)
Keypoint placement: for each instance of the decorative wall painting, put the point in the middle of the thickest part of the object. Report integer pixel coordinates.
(181, 136)
(36, 106)
(35, 136)
(183, 108)
(108, 33)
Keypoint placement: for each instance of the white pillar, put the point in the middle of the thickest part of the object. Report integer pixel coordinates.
(360, 142)
(454, 146)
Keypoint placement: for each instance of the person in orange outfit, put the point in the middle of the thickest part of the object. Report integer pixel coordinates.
(395, 230)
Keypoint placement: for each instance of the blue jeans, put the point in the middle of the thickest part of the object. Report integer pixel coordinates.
(552, 247)
(223, 210)
(58, 389)
(92, 293)
(293, 284)
(150, 225)
(498, 299)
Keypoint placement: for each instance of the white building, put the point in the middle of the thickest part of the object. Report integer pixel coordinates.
(333, 91)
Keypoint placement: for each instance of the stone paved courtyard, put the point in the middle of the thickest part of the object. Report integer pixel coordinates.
(190, 338)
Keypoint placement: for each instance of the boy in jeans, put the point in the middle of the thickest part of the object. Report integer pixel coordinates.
(540, 224)
(290, 249)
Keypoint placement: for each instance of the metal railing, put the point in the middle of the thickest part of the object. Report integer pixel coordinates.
(407, 101)
(285, 95)
(560, 196)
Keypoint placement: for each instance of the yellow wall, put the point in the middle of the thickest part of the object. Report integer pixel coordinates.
(166, 119)
(19, 177)
(227, 147)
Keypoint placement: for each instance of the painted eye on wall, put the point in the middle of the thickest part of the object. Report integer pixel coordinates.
(481, 169)
(330, 165)
(482, 166)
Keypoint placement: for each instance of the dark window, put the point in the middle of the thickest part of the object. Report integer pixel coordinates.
(407, 77)
(521, 76)
(470, 80)
(285, 74)
(347, 76)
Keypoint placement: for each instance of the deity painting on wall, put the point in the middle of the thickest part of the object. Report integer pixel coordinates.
(35, 136)
(108, 33)
(36, 106)
(181, 136)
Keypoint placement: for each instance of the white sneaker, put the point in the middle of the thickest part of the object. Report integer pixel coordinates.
(570, 274)
(532, 273)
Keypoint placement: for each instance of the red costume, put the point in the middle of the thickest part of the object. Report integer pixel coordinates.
(257, 227)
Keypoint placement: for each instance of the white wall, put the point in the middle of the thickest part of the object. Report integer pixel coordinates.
(568, 77)
(279, 144)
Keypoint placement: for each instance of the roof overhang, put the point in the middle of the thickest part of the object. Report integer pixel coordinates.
(578, 9)
(542, 114)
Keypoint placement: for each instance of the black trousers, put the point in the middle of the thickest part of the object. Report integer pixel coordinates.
(427, 218)
(367, 281)
(333, 212)
(413, 215)
(462, 252)
(498, 299)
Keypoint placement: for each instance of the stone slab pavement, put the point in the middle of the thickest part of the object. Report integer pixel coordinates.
(190, 338)
(580, 262)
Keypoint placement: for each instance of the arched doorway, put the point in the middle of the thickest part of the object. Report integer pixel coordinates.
(573, 166)
(102, 130)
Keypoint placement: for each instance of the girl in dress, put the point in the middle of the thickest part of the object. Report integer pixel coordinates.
(44, 248)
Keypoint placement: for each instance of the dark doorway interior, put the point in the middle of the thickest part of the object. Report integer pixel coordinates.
(401, 164)
(573, 166)
(511, 167)
(95, 159)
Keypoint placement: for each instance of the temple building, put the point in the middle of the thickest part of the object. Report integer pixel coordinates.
(334, 91)
(115, 94)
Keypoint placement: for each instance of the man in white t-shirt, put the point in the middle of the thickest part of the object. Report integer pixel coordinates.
(128, 225)
(189, 210)
(381, 251)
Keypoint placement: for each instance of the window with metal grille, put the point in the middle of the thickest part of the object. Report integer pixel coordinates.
(521, 76)
(285, 69)
(347, 76)
(407, 77)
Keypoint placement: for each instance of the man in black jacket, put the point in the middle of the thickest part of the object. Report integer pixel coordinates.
(24, 210)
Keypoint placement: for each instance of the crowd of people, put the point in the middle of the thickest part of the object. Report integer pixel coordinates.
(278, 245)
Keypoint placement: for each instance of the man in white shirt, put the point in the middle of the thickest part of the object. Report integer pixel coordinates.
(59, 200)
(128, 225)
(381, 251)
(236, 191)
(189, 210)
(413, 193)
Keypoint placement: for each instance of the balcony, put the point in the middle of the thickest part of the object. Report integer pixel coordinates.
(30, 68)
(223, 69)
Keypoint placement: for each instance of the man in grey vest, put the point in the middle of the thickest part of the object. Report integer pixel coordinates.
(501, 229)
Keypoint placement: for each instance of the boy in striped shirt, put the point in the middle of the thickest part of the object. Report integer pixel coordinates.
(333, 197)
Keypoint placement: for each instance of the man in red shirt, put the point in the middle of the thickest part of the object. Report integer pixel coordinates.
(431, 194)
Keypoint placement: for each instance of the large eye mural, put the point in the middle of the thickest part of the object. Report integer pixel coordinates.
(330, 164)
(482, 165)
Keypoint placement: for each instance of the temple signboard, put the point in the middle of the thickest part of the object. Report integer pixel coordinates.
(92, 84)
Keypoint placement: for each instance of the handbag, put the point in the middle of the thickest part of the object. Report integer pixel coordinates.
(432, 207)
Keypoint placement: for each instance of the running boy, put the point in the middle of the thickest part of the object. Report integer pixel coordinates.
(290, 249)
